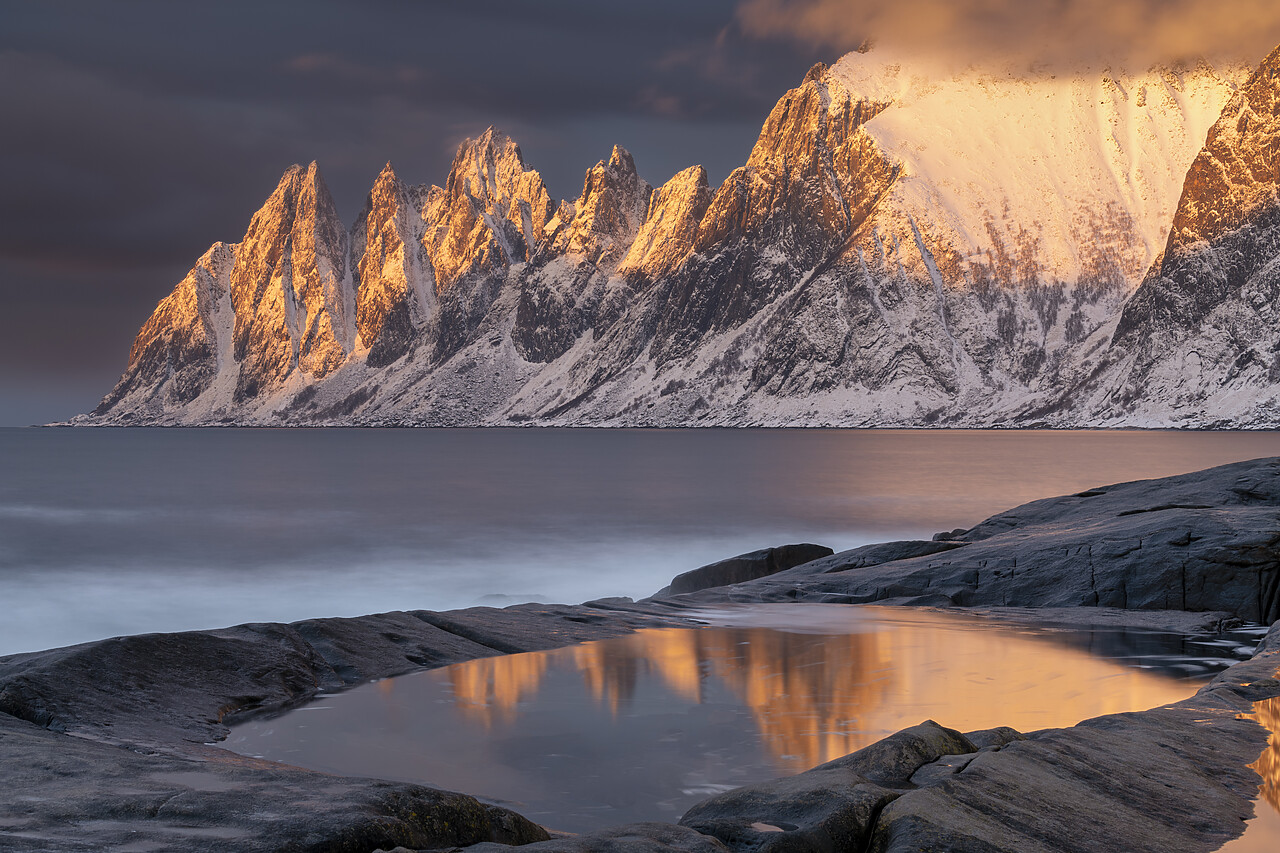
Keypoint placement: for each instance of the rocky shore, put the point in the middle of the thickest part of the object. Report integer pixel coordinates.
(111, 745)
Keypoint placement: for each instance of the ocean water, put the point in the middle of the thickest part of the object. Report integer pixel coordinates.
(118, 531)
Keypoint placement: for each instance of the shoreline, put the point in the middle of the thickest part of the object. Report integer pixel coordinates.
(113, 742)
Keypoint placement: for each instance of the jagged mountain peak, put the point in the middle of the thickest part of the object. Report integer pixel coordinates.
(1196, 343)
(671, 224)
(817, 72)
(904, 246)
(492, 213)
(387, 189)
(620, 160)
(488, 167)
(1236, 171)
(290, 288)
(395, 283)
(609, 213)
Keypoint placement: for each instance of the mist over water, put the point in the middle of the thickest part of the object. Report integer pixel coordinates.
(109, 532)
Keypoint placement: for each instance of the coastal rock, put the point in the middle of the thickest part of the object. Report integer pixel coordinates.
(171, 689)
(829, 808)
(1206, 541)
(71, 794)
(1107, 784)
(112, 742)
(1123, 782)
(631, 838)
(745, 567)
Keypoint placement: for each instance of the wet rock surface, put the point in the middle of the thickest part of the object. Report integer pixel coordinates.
(112, 744)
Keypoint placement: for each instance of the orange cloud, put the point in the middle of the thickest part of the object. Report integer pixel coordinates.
(1050, 33)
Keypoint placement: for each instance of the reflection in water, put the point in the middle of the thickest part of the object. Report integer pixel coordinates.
(491, 693)
(815, 697)
(808, 694)
(1262, 833)
(1267, 713)
(643, 726)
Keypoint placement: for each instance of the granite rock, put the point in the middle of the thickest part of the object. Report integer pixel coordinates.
(745, 567)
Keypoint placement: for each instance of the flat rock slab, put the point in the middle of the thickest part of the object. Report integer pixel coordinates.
(1208, 541)
(63, 793)
(156, 689)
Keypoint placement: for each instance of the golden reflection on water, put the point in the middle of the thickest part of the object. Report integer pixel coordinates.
(815, 697)
(1267, 713)
(1262, 833)
(493, 692)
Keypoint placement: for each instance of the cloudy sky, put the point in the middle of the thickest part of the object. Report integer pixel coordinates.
(136, 133)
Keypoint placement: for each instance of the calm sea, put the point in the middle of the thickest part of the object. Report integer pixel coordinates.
(108, 532)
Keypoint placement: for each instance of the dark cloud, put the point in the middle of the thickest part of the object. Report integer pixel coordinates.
(1039, 33)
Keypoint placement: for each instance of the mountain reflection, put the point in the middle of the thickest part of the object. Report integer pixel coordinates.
(815, 697)
(1267, 713)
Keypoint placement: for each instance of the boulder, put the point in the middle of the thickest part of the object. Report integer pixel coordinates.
(744, 567)
(829, 808)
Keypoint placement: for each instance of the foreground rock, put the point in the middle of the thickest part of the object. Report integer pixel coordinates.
(66, 793)
(1197, 542)
(108, 745)
(1169, 779)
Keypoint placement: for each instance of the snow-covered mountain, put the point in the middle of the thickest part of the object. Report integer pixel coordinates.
(901, 247)
(1198, 344)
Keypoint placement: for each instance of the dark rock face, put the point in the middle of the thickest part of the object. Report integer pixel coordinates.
(831, 807)
(1203, 541)
(745, 567)
(632, 838)
(811, 179)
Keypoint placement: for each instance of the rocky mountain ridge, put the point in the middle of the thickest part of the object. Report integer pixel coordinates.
(899, 249)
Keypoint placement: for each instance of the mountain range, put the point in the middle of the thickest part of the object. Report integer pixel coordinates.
(901, 248)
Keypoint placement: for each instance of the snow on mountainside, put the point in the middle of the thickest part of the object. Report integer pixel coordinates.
(900, 248)
(1198, 344)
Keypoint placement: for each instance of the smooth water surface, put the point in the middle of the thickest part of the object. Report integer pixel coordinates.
(642, 727)
(119, 531)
